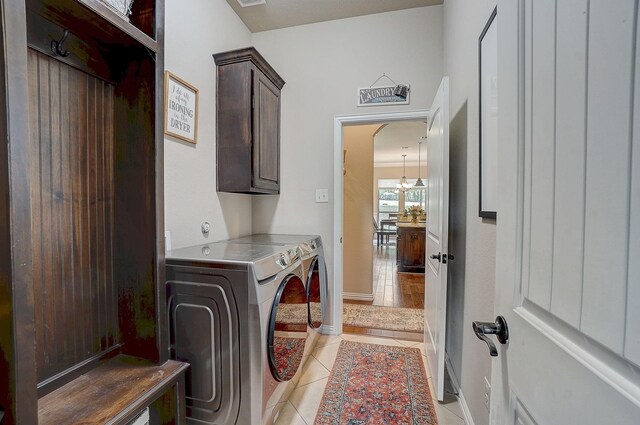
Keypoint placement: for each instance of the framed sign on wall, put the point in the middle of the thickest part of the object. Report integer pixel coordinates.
(488, 66)
(180, 108)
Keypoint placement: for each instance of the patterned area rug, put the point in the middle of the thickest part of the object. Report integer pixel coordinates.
(288, 354)
(296, 313)
(376, 384)
(390, 318)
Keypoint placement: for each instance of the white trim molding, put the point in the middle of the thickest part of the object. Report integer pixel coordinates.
(616, 371)
(357, 296)
(335, 298)
(468, 419)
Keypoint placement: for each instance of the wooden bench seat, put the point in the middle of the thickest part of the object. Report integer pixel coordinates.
(115, 392)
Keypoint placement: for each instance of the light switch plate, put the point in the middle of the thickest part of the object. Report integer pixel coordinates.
(322, 195)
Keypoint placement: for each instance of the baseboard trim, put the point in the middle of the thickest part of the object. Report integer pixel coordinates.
(356, 296)
(329, 330)
(468, 419)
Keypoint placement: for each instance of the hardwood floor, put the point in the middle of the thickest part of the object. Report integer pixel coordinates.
(392, 289)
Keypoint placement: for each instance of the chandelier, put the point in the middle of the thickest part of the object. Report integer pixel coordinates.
(404, 184)
(419, 182)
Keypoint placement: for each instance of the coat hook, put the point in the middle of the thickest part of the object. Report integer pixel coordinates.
(57, 48)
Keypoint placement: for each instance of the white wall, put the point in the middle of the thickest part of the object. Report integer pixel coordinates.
(463, 23)
(323, 64)
(194, 31)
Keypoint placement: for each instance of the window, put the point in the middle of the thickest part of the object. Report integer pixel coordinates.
(416, 196)
(388, 201)
(389, 197)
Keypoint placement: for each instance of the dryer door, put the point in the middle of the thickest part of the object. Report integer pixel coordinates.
(316, 291)
(287, 334)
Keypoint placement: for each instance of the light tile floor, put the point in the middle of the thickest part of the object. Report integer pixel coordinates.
(305, 400)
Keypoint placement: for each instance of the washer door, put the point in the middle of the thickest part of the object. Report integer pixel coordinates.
(287, 332)
(316, 291)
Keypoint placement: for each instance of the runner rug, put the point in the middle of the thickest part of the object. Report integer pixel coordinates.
(390, 318)
(376, 384)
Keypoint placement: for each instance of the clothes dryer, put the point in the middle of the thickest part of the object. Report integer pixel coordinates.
(315, 274)
(224, 300)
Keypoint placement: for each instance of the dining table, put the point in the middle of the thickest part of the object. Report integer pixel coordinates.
(388, 222)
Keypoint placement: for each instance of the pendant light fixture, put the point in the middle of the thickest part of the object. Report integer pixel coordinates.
(404, 184)
(419, 182)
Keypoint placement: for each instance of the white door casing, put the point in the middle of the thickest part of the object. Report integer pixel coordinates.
(335, 293)
(568, 225)
(437, 231)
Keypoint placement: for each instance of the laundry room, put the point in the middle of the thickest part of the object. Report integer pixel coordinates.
(297, 212)
(193, 228)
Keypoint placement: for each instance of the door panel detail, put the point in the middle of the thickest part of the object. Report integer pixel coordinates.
(578, 164)
(568, 126)
(520, 414)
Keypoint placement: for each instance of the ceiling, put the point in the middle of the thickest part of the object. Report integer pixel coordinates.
(288, 13)
(388, 144)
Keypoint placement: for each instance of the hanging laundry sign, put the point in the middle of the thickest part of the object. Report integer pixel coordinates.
(387, 95)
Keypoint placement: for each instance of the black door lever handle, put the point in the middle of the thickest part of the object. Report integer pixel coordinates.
(499, 328)
(435, 256)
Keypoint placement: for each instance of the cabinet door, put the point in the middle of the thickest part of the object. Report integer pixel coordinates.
(417, 246)
(411, 250)
(266, 133)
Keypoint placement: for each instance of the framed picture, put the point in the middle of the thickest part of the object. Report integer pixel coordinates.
(180, 108)
(488, 70)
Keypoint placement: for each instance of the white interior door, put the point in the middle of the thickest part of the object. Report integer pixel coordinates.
(568, 225)
(437, 235)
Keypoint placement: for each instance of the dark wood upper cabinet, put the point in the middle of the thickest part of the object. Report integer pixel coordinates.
(248, 123)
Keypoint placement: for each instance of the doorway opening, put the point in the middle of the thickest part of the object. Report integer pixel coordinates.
(383, 244)
(367, 231)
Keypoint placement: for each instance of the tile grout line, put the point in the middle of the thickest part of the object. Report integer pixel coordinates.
(298, 413)
(310, 382)
(452, 412)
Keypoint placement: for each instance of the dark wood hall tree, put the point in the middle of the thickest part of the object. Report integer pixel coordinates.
(81, 184)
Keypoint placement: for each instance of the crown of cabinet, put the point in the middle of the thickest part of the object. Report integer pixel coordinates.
(248, 123)
(249, 54)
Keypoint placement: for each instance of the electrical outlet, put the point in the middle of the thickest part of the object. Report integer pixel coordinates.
(322, 195)
(487, 393)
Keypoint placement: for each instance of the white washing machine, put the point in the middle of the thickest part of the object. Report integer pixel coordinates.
(238, 315)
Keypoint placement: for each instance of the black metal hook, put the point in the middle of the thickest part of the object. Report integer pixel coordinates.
(56, 46)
